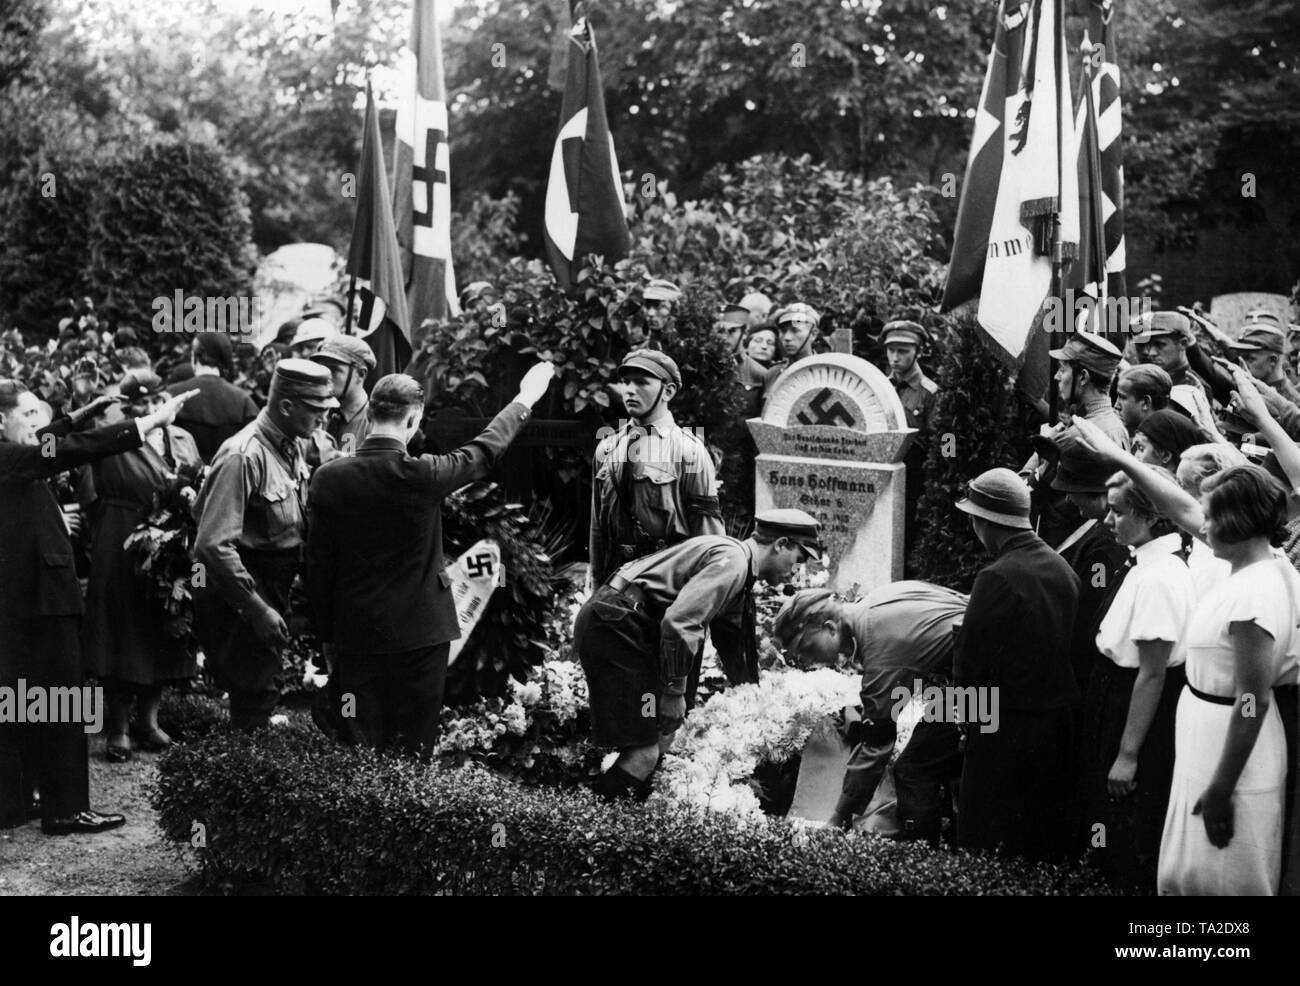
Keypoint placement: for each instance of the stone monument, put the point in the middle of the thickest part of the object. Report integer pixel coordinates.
(831, 441)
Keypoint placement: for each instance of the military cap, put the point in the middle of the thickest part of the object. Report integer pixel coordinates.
(474, 291)
(654, 362)
(908, 333)
(1079, 469)
(757, 303)
(660, 290)
(303, 380)
(796, 525)
(313, 330)
(1261, 338)
(1090, 351)
(139, 384)
(1161, 324)
(1000, 496)
(348, 350)
(798, 312)
(734, 315)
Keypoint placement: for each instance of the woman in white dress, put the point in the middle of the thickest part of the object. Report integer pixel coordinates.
(1223, 829)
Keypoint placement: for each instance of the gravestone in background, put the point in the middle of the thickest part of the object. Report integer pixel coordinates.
(1229, 310)
(831, 442)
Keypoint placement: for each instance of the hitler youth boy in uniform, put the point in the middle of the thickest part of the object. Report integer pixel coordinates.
(653, 483)
(640, 636)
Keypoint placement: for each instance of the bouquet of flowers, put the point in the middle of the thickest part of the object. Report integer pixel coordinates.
(160, 547)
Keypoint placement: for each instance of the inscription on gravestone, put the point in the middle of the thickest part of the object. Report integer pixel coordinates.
(831, 441)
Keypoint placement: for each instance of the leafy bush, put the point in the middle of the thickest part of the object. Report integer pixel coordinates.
(511, 634)
(126, 224)
(980, 423)
(287, 807)
(189, 716)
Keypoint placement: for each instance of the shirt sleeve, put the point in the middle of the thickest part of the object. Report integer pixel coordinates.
(58, 450)
(700, 496)
(719, 581)
(221, 522)
(1264, 601)
(1161, 608)
(862, 776)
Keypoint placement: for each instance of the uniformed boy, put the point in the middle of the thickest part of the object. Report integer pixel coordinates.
(640, 636)
(250, 535)
(653, 483)
(903, 341)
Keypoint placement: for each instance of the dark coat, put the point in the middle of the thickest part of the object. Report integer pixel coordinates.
(217, 411)
(37, 575)
(1098, 560)
(375, 574)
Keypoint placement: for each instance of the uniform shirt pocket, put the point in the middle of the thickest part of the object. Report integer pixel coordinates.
(281, 508)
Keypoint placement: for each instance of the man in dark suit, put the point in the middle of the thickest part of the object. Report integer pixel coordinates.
(220, 409)
(41, 607)
(375, 574)
(1017, 776)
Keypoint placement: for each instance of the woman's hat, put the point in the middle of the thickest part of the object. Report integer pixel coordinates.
(999, 496)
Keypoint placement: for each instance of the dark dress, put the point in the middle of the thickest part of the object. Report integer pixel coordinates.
(122, 636)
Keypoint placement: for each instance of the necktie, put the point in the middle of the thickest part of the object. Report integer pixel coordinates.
(626, 480)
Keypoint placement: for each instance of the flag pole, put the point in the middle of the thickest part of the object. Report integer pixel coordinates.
(1058, 260)
(352, 293)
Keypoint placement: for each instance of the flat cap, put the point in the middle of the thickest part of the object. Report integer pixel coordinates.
(660, 290)
(1161, 324)
(906, 332)
(654, 362)
(138, 384)
(303, 380)
(999, 496)
(793, 524)
(1261, 338)
(348, 350)
(1090, 351)
(475, 290)
(734, 315)
(798, 312)
(313, 330)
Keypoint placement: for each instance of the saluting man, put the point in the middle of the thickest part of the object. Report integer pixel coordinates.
(640, 636)
(654, 483)
(251, 531)
(919, 394)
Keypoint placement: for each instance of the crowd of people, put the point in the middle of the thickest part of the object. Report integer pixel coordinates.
(1137, 620)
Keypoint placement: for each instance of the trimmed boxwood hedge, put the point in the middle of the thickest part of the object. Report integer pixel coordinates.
(289, 810)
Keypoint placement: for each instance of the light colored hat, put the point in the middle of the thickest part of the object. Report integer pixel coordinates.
(757, 303)
(313, 330)
(998, 496)
(799, 312)
(659, 290)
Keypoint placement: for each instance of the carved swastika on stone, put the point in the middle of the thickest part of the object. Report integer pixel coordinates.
(833, 415)
(479, 565)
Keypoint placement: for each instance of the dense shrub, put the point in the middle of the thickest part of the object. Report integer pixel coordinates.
(190, 716)
(980, 423)
(286, 807)
(125, 224)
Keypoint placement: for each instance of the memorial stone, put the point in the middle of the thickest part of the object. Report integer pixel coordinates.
(831, 441)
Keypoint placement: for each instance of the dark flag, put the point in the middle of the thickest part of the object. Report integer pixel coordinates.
(374, 258)
(584, 195)
(1016, 186)
(1099, 271)
(421, 189)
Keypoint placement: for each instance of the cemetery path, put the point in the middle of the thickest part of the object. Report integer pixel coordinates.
(133, 860)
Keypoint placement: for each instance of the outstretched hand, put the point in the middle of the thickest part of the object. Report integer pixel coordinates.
(1247, 401)
(533, 387)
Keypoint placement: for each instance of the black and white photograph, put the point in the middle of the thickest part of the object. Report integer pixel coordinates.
(659, 448)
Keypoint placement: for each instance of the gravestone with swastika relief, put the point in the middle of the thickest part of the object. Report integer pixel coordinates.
(831, 442)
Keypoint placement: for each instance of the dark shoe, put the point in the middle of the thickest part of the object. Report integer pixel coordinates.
(115, 753)
(88, 822)
(152, 740)
(617, 783)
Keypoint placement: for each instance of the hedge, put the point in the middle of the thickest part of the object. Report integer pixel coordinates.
(289, 810)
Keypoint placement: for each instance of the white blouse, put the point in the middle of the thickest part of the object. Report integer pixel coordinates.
(1266, 593)
(1155, 602)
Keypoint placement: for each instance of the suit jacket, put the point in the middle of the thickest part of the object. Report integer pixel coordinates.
(1017, 631)
(375, 575)
(37, 574)
(216, 412)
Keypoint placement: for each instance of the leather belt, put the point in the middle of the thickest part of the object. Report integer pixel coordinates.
(1207, 697)
(629, 590)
